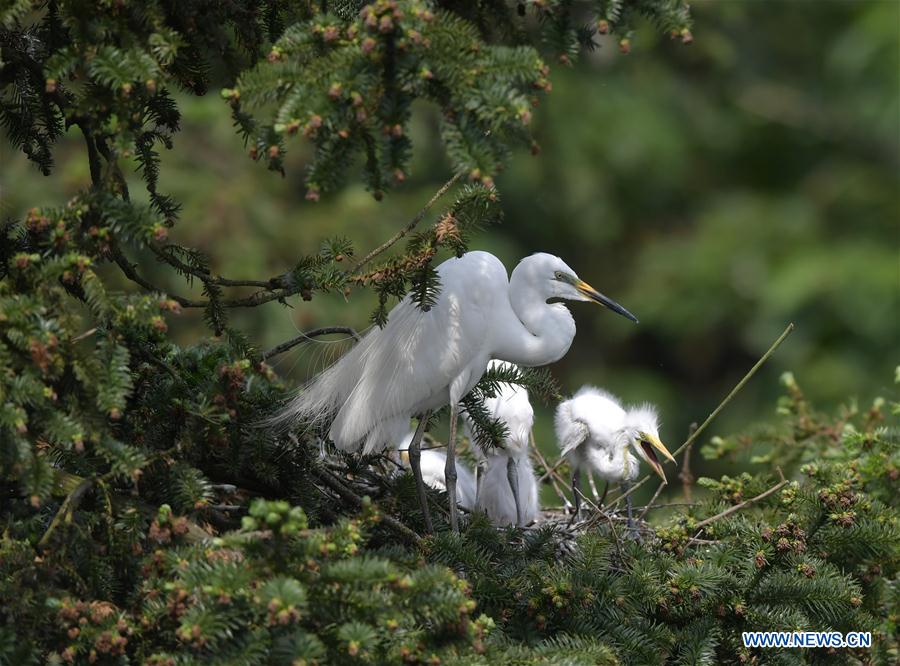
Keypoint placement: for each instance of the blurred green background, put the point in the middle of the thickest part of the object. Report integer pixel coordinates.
(719, 191)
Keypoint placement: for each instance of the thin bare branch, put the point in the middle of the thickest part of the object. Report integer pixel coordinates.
(84, 336)
(553, 480)
(737, 507)
(409, 227)
(659, 488)
(305, 337)
(715, 413)
(129, 270)
(686, 476)
(550, 470)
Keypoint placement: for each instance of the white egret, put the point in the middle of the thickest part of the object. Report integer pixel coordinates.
(596, 432)
(505, 485)
(504, 500)
(492, 493)
(423, 359)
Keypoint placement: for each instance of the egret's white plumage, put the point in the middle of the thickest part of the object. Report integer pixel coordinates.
(423, 360)
(495, 491)
(595, 432)
(496, 499)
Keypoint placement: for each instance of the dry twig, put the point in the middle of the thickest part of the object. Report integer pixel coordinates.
(550, 473)
(737, 507)
(409, 227)
(305, 337)
(686, 476)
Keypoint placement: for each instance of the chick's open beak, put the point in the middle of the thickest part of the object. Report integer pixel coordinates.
(647, 445)
(597, 297)
(659, 446)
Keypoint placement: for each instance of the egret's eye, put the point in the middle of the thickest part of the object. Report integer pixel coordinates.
(559, 275)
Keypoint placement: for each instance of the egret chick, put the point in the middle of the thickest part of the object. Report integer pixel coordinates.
(433, 464)
(423, 359)
(505, 485)
(596, 432)
(495, 496)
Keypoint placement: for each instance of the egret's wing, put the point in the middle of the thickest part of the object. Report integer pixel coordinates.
(591, 412)
(410, 363)
(571, 431)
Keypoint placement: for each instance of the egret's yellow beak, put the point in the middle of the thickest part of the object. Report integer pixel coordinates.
(597, 297)
(650, 442)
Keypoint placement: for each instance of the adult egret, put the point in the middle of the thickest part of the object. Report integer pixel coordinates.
(423, 359)
(595, 431)
(508, 467)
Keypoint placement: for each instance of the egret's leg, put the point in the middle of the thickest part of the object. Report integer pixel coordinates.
(593, 487)
(626, 486)
(450, 469)
(603, 496)
(632, 528)
(415, 462)
(576, 494)
(480, 469)
(512, 475)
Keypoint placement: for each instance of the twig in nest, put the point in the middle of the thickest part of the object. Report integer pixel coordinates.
(652, 500)
(552, 476)
(550, 470)
(686, 477)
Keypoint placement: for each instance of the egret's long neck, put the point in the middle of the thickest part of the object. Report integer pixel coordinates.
(627, 460)
(545, 331)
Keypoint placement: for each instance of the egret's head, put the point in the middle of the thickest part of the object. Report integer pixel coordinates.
(559, 282)
(642, 432)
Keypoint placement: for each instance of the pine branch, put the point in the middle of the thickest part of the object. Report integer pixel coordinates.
(206, 276)
(128, 269)
(76, 495)
(344, 492)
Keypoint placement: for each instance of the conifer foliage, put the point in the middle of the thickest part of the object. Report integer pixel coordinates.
(145, 519)
(822, 553)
